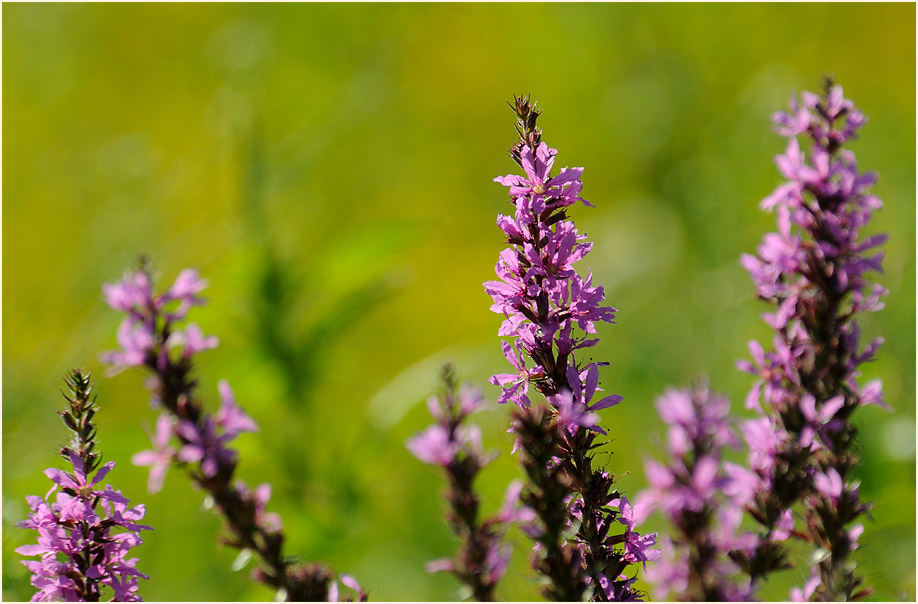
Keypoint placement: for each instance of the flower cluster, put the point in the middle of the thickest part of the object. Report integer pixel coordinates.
(140, 334)
(549, 494)
(188, 436)
(814, 271)
(456, 447)
(542, 297)
(77, 540)
(203, 442)
(689, 491)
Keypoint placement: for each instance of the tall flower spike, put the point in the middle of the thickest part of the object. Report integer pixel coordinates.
(688, 490)
(814, 272)
(456, 447)
(86, 534)
(543, 299)
(188, 436)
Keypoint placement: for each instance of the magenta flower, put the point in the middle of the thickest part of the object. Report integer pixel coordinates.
(814, 271)
(151, 338)
(77, 481)
(231, 418)
(130, 294)
(550, 310)
(690, 490)
(637, 546)
(269, 521)
(136, 341)
(192, 340)
(349, 582)
(537, 186)
(434, 446)
(160, 458)
(516, 385)
(456, 447)
(85, 535)
(809, 588)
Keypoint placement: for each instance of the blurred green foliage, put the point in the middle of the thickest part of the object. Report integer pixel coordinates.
(328, 167)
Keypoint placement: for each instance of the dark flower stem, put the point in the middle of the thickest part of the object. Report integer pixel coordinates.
(550, 489)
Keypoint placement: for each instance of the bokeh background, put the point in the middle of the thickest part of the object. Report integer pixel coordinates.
(328, 168)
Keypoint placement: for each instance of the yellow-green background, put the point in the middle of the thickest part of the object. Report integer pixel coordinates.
(328, 168)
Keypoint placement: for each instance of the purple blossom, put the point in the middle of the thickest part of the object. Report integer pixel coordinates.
(637, 546)
(151, 337)
(537, 186)
(349, 582)
(804, 595)
(516, 385)
(573, 414)
(136, 341)
(204, 446)
(820, 422)
(456, 447)
(690, 490)
(86, 533)
(140, 331)
(814, 271)
(192, 340)
(231, 418)
(549, 310)
(269, 521)
(160, 457)
(77, 480)
(131, 294)
(434, 446)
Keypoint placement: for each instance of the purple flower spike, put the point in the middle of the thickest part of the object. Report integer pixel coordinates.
(814, 272)
(86, 534)
(690, 490)
(550, 310)
(456, 447)
(150, 337)
(637, 546)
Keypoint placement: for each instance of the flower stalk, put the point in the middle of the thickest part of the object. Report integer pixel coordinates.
(689, 489)
(151, 339)
(814, 271)
(455, 446)
(82, 552)
(542, 297)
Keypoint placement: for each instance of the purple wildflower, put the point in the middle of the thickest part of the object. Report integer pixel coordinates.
(815, 273)
(85, 535)
(434, 446)
(160, 457)
(456, 447)
(550, 309)
(231, 418)
(150, 337)
(689, 489)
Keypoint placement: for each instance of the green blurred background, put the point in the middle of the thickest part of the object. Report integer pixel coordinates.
(328, 168)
